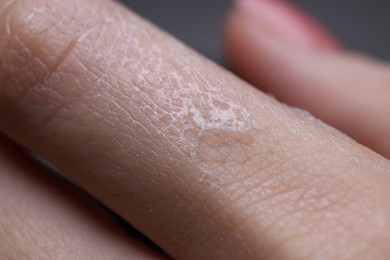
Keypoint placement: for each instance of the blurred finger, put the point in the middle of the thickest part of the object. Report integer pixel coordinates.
(42, 217)
(280, 49)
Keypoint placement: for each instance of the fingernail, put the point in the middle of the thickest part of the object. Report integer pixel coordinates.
(287, 22)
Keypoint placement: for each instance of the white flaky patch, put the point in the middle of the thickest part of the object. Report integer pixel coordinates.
(183, 96)
(196, 111)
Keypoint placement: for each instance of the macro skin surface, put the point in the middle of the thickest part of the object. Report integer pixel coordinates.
(122, 108)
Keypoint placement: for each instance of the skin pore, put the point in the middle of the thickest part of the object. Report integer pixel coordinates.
(204, 164)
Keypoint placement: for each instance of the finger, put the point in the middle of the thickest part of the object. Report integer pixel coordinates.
(193, 157)
(42, 217)
(284, 52)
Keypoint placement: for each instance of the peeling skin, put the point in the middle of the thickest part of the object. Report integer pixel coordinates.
(191, 112)
(188, 112)
(160, 88)
(183, 103)
(209, 111)
(157, 84)
(143, 123)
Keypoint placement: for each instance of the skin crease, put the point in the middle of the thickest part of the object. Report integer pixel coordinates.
(104, 95)
(44, 218)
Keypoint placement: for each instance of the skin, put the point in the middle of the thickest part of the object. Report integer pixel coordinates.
(42, 217)
(205, 165)
(316, 72)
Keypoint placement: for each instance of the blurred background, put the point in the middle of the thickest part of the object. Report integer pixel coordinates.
(359, 24)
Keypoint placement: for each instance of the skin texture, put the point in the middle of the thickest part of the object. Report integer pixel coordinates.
(204, 164)
(42, 217)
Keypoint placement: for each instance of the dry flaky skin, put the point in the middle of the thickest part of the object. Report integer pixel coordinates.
(185, 151)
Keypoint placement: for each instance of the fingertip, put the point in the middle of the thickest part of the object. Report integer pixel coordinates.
(254, 27)
(293, 58)
(287, 22)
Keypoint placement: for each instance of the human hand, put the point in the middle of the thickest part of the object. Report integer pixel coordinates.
(203, 164)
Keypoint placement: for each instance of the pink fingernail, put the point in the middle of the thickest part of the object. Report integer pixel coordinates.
(288, 22)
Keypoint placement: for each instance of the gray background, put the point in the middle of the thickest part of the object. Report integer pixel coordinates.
(359, 24)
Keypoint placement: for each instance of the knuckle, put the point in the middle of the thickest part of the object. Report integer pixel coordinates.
(34, 40)
(38, 40)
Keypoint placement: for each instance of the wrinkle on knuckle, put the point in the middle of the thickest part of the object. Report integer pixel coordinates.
(37, 44)
(39, 36)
